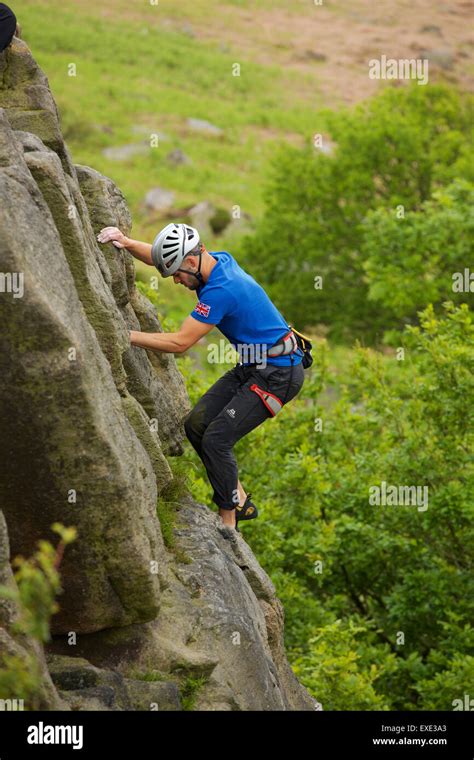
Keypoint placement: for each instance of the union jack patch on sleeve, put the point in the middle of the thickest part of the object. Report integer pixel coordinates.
(202, 308)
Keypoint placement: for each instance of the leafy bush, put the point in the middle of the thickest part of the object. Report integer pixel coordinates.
(37, 585)
(411, 260)
(388, 612)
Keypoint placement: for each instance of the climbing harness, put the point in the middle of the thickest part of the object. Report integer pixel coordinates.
(290, 343)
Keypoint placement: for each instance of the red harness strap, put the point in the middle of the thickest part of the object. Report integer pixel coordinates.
(271, 401)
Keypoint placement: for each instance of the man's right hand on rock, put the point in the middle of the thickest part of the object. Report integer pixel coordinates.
(112, 235)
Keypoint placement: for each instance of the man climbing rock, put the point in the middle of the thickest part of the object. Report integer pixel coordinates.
(269, 374)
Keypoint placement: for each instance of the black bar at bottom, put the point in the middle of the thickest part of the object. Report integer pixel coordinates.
(136, 734)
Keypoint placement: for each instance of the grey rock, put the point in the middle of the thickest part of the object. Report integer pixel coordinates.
(83, 686)
(205, 127)
(77, 678)
(8, 610)
(124, 152)
(178, 158)
(200, 217)
(75, 434)
(28, 142)
(151, 377)
(141, 129)
(96, 699)
(209, 219)
(29, 104)
(159, 200)
(219, 621)
(72, 673)
(161, 696)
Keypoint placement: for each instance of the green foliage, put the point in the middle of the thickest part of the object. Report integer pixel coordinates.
(220, 220)
(385, 570)
(190, 689)
(441, 690)
(37, 585)
(331, 669)
(395, 150)
(188, 685)
(410, 261)
(20, 679)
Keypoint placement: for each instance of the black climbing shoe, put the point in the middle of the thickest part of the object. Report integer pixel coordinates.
(248, 510)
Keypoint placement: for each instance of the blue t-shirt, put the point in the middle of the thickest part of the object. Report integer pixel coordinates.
(233, 301)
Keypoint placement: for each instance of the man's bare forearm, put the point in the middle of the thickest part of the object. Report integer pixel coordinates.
(170, 342)
(140, 250)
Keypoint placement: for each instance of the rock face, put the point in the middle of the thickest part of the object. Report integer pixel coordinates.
(88, 425)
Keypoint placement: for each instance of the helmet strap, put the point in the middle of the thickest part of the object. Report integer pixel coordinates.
(197, 274)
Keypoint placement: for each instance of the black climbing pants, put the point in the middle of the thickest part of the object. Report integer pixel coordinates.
(7, 26)
(228, 411)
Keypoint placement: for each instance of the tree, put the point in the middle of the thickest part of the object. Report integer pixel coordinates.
(392, 151)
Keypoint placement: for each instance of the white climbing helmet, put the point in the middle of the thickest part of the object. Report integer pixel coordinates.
(171, 245)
